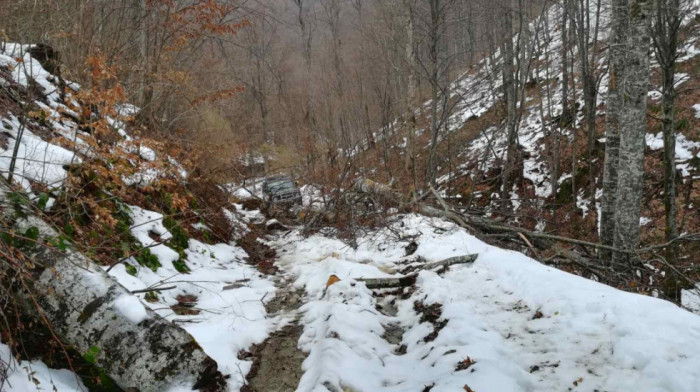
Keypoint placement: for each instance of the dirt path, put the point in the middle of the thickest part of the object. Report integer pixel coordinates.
(277, 361)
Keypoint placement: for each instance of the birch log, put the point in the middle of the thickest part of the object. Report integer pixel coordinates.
(93, 313)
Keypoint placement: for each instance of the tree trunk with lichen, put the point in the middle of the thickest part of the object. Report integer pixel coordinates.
(632, 122)
(98, 317)
(618, 31)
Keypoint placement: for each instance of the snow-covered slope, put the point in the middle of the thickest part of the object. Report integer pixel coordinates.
(479, 91)
(504, 323)
(220, 299)
(51, 124)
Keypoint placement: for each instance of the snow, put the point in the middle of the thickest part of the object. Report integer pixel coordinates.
(685, 149)
(37, 160)
(696, 107)
(312, 196)
(691, 299)
(131, 308)
(230, 294)
(528, 327)
(30, 376)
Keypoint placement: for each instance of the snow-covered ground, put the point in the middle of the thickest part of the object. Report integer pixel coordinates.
(510, 323)
(30, 376)
(229, 295)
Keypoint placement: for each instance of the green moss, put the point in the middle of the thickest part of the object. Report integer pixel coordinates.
(147, 259)
(130, 269)
(180, 265)
(91, 354)
(151, 297)
(180, 240)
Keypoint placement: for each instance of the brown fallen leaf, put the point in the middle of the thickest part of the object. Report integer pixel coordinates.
(332, 279)
(465, 364)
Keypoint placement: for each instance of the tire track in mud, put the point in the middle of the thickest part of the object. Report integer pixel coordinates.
(277, 361)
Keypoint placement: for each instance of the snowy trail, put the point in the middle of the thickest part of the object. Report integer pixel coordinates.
(505, 323)
(277, 360)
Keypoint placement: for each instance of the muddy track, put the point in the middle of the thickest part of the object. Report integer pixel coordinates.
(277, 361)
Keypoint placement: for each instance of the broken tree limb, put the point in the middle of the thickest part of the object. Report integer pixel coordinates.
(471, 222)
(94, 314)
(150, 290)
(408, 280)
(389, 283)
(465, 259)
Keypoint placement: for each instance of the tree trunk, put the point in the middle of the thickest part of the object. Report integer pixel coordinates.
(565, 114)
(135, 347)
(665, 35)
(618, 33)
(669, 133)
(633, 129)
(410, 163)
(510, 93)
(433, 58)
(143, 51)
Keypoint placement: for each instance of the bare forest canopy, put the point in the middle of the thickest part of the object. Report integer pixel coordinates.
(293, 79)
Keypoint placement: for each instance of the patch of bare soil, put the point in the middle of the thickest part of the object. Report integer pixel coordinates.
(277, 365)
(277, 361)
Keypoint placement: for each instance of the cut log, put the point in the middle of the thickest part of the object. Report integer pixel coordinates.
(91, 312)
(408, 280)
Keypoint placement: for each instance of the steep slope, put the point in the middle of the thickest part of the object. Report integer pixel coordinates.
(177, 263)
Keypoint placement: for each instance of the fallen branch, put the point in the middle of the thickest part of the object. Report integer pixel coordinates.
(153, 289)
(408, 280)
(469, 222)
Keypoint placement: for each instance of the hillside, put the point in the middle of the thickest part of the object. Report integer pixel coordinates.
(474, 141)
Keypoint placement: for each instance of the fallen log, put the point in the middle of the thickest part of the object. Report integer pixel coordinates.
(471, 222)
(94, 314)
(408, 280)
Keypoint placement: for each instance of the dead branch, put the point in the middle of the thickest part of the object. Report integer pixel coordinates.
(403, 281)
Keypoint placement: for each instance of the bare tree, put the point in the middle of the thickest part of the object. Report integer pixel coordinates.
(582, 22)
(666, 25)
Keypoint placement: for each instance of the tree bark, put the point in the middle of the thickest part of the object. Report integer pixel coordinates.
(616, 42)
(410, 163)
(632, 129)
(435, 38)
